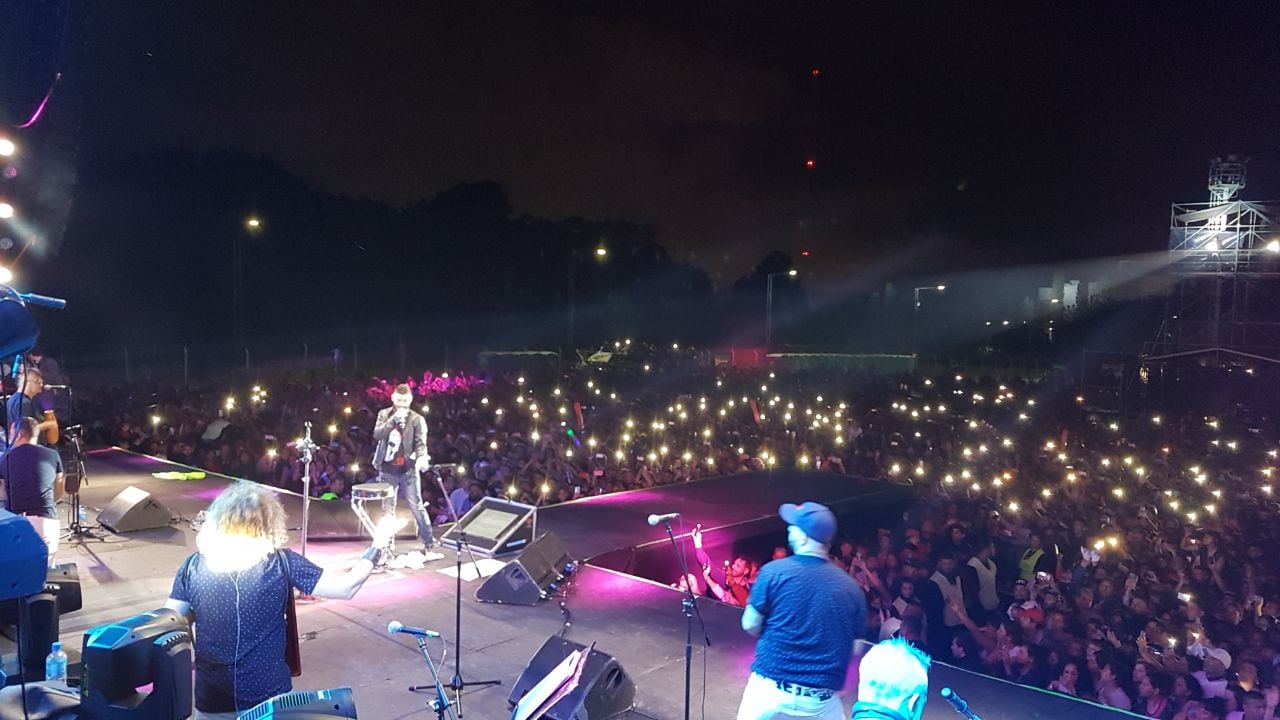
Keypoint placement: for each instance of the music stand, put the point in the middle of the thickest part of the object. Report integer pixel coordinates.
(457, 683)
(554, 687)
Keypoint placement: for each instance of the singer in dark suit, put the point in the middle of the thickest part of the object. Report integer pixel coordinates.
(401, 454)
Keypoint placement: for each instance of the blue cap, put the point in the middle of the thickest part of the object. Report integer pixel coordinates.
(816, 520)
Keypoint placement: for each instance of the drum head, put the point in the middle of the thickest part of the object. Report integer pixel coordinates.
(372, 490)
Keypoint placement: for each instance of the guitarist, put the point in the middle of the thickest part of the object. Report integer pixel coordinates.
(22, 404)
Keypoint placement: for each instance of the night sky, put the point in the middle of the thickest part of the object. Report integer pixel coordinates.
(941, 134)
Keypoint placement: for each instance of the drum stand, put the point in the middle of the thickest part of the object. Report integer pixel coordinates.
(386, 495)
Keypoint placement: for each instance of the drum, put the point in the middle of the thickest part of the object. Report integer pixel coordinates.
(381, 493)
(372, 491)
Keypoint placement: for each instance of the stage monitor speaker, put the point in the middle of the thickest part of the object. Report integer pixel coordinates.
(134, 509)
(494, 527)
(605, 690)
(528, 578)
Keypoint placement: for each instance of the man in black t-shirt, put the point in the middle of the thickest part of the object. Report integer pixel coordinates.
(23, 404)
(33, 474)
(807, 613)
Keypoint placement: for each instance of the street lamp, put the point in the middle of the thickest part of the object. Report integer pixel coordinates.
(601, 254)
(915, 312)
(239, 257)
(768, 303)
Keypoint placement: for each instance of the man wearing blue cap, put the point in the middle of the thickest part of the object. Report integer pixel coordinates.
(807, 613)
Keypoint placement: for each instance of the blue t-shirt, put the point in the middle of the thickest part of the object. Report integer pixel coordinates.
(20, 406)
(813, 612)
(30, 472)
(240, 627)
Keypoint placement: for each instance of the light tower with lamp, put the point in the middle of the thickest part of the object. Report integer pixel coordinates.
(1224, 258)
(915, 310)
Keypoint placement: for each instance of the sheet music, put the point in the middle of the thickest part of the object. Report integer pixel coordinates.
(559, 682)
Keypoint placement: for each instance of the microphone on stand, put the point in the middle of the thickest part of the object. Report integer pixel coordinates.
(395, 626)
(958, 703)
(655, 519)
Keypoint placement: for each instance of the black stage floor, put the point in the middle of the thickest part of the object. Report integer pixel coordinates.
(345, 643)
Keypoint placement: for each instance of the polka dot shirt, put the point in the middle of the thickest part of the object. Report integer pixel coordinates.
(240, 627)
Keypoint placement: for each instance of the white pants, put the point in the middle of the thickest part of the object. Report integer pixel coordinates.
(50, 529)
(762, 700)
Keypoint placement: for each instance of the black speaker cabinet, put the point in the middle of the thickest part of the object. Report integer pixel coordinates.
(134, 509)
(605, 690)
(525, 580)
(64, 579)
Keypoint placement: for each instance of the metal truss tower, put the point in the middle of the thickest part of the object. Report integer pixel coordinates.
(1224, 256)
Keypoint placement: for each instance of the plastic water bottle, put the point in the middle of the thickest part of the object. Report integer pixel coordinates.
(84, 515)
(55, 665)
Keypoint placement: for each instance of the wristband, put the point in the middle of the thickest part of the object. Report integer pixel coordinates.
(373, 555)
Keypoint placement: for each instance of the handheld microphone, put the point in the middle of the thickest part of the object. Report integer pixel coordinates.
(395, 626)
(655, 519)
(958, 703)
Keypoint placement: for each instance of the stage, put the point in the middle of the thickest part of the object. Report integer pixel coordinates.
(638, 621)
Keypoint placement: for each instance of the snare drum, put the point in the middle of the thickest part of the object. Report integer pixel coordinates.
(365, 492)
(382, 493)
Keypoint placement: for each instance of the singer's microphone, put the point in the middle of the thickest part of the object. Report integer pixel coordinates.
(655, 519)
(957, 702)
(395, 626)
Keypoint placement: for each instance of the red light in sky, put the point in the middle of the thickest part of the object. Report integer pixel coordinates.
(809, 163)
(815, 72)
(804, 253)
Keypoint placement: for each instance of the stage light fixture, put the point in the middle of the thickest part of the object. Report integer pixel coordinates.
(6, 210)
(7, 148)
(6, 275)
(1274, 246)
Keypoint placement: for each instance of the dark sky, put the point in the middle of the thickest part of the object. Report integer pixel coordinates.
(942, 133)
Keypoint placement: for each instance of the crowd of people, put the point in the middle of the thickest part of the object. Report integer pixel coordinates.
(1117, 558)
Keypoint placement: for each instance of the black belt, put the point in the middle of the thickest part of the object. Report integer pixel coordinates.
(804, 690)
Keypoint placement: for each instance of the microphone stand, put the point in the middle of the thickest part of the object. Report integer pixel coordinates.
(690, 606)
(441, 704)
(76, 530)
(457, 683)
(307, 447)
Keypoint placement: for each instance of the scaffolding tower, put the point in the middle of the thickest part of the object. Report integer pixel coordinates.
(1224, 256)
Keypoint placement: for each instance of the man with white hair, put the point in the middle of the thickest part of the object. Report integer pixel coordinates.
(807, 613)
(893, 682)
(401, 455)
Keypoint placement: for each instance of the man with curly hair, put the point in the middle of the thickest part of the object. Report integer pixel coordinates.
(235, 589)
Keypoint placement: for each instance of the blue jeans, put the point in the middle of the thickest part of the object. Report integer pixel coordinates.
(407, 486)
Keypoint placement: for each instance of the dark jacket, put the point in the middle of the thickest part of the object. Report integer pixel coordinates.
(414, 431)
